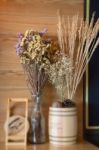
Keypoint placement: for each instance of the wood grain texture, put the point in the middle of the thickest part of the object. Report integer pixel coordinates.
(19, 15)
(47, 146)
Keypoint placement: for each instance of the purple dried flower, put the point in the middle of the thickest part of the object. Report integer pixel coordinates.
(20, 35)
(29, 38)
(19, 49)
(43, 31)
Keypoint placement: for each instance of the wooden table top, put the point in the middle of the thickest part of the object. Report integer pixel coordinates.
(47, 146)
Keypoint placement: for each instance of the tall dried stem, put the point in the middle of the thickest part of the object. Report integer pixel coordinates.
(78, 41)
(36, 79)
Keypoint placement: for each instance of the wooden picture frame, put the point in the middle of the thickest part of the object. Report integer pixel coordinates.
(91, 84)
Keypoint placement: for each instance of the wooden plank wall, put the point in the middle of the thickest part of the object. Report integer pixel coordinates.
(19, 15)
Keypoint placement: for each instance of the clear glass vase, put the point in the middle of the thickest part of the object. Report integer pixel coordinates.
(37, 121)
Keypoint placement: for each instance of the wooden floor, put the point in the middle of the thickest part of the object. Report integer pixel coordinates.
(47, 146)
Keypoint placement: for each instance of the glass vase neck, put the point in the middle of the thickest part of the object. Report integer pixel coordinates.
(37, 103)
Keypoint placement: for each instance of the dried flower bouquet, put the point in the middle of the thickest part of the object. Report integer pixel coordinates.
(78, 40)
(36, 54)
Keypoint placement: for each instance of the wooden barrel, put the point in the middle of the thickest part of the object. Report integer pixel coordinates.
(62, 125)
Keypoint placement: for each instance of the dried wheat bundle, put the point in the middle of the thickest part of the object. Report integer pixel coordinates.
(78, 40)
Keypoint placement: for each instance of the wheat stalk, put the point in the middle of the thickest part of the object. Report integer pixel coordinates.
(78, 40)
